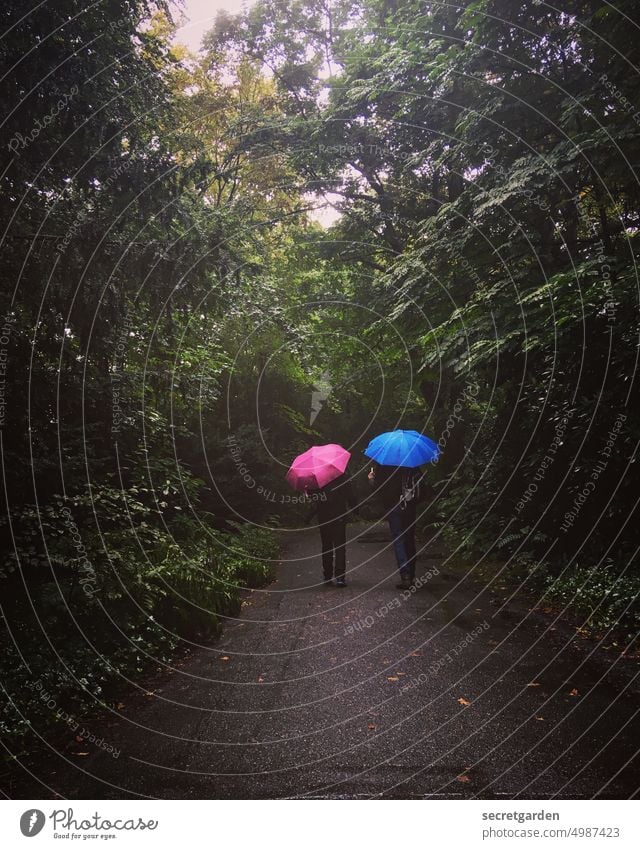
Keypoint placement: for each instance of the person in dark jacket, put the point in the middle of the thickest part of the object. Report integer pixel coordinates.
(333, 504)
(399, 489)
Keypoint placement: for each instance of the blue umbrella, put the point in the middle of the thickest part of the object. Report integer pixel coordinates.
(402, 448)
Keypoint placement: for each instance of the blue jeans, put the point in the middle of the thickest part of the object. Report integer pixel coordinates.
(402, 524)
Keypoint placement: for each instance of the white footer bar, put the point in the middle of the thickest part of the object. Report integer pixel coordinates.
(315, 824)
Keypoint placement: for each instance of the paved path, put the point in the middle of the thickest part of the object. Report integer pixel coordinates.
(362, 692)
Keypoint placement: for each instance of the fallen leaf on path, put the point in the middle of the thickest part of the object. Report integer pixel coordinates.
(224, 658)
(150, 693)
(540, 718)
(533, 684)
(463, 778)
(80, 754)
(392, 678)
(260, 680)
(493, 642)
(463, 701)
(371, 726)
(415, 654)
(120, 705)
(574, 692)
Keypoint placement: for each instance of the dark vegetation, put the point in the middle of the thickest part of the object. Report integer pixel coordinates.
(169, 303)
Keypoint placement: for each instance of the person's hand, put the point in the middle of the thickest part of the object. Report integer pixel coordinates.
(372, 475)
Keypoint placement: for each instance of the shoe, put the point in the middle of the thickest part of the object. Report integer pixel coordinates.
(404, 584)
(328, 582)
(341, 582)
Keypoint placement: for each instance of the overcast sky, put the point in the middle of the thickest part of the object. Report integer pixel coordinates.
(201, 14)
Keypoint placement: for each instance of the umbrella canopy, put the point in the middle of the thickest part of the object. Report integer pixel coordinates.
(317, 467)
(402, 448)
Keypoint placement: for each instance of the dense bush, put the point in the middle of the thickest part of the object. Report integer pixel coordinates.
(79, 642)
(138, 257)
(609, 597)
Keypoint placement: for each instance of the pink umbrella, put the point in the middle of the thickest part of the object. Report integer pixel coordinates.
(317, 467)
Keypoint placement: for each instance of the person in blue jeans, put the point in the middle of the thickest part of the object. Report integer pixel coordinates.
(399, 488)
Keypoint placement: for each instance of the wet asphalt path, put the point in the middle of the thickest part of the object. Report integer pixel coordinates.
(318, 692)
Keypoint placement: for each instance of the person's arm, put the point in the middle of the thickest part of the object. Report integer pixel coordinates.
(313, 509)
(420, 484)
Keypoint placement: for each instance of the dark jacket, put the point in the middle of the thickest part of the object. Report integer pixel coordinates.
(334, 501)
(390, 482)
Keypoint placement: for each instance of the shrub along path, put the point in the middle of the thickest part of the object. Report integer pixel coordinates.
(365, 691)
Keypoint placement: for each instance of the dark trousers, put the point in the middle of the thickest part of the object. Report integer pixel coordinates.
(402, 524)
(334, 540)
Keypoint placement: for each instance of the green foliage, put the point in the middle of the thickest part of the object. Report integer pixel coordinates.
(608, 596)
(483, 156)
(136, 253)
(170, 306)
(176, 594)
